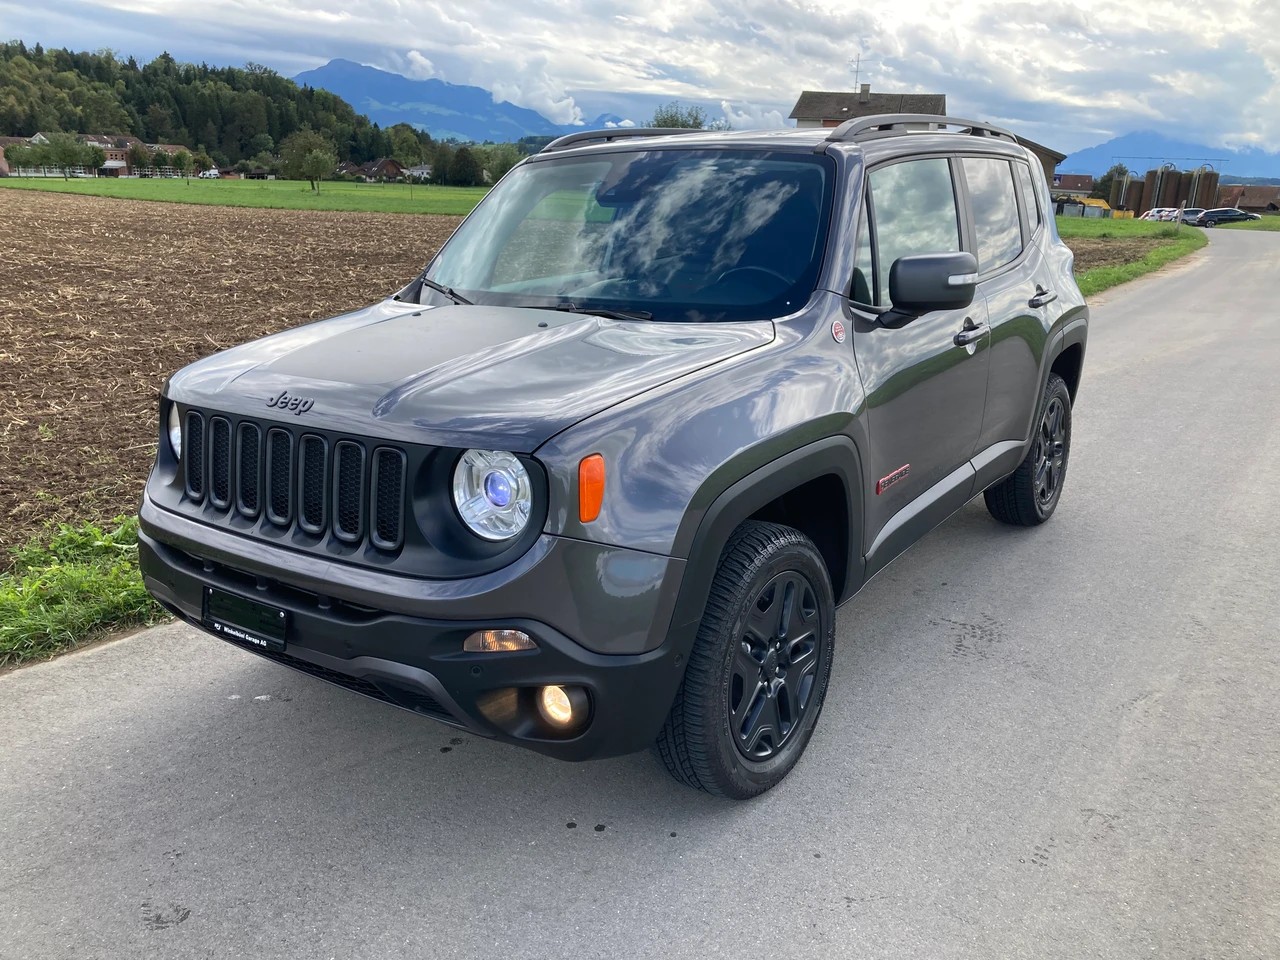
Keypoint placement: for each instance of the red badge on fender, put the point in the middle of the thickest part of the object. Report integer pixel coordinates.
(837, 330)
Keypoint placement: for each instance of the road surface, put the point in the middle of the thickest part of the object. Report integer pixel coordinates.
(1054, 743)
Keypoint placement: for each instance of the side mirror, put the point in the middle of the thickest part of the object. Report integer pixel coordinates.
(932, 281)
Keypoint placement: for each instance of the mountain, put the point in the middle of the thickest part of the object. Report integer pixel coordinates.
(1146, 150)
(444, 110)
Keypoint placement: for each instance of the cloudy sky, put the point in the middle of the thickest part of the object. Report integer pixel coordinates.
(1066, 74)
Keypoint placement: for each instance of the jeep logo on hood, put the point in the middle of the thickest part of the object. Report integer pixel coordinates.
(297, 405)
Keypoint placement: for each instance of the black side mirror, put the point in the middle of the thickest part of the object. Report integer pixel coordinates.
(932, 281)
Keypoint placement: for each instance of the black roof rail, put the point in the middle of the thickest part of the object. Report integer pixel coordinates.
(886, 124)
(613, 133)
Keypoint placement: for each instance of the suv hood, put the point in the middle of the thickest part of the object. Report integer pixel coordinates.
(456, 376)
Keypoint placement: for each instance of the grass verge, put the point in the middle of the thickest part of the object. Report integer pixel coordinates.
(1140, 247)
(71, 588)
(1267, 224)
(271, 194)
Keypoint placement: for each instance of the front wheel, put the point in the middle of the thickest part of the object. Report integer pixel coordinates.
(758, 672)
(1030, 494)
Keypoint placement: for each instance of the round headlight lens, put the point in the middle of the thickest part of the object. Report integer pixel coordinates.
(175, 431)
(492, 492)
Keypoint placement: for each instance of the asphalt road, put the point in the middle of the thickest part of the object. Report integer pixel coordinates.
(1053, 743)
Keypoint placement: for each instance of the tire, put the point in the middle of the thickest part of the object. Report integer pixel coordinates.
(759, 669)
(1030, 494)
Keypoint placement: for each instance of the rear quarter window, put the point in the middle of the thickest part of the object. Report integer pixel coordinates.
(996, 225)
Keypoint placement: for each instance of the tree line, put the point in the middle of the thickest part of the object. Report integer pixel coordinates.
(230, 113)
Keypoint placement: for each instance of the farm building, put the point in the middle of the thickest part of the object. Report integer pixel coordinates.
(826, 108)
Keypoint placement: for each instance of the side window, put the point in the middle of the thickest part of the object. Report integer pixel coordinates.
(1030, 199)
(915, 212)
(995, 211)
(863, 271)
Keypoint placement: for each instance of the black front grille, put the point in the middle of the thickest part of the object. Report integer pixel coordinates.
(280, 477)
(313, 460)
(194, 454)
(388, 497)
(349, 497)
(289, 480)
(220, 461)
(249, 449)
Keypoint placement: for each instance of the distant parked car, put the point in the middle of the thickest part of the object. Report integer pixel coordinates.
(1159, 213)
(1211, 218)
(208, 175)
(1189, 214)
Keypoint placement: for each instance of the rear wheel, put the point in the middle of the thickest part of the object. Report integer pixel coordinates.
(759, 668)
(1030, 494)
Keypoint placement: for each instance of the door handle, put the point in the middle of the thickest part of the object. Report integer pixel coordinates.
(1042, 297)
(969, 333)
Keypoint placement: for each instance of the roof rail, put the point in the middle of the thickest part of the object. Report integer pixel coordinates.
(887, 124)
(613, 133)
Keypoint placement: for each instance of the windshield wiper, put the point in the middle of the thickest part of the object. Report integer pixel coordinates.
(447, 291)
(571, 307)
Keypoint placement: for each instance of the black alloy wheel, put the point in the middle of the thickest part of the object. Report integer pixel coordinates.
(1052, 454)
(759, 667)
(775, 667)
(1030, 494)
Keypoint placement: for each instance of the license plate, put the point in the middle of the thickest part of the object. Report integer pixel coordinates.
(245, 620)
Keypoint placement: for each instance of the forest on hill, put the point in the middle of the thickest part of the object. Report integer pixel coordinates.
(231, 113)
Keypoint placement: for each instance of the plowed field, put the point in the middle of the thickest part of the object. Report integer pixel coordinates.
(101, 299)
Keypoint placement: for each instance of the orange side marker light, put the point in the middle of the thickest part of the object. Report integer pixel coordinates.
(590, 487)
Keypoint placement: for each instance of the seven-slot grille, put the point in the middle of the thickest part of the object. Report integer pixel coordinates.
(297, 479)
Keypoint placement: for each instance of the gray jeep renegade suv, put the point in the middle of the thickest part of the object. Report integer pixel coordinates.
(599, 478)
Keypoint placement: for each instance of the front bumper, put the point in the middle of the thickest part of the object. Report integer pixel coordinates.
(399, 640)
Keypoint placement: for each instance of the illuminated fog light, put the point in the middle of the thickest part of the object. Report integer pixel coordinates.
(498, 641)
(555, 706)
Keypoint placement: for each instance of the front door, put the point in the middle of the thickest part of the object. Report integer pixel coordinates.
(925, 382)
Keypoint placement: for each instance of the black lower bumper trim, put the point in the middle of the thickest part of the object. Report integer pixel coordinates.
(419, 664)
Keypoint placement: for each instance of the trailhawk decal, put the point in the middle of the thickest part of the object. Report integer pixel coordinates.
(884, 483)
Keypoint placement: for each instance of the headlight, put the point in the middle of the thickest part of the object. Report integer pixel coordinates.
(492, 492)
(175, 431)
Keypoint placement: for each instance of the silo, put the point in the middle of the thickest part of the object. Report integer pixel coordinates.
(1207, 190)
(1168, 188)
(1133, 197)
(1183, 199)
(1149, 192)
(1117, 192)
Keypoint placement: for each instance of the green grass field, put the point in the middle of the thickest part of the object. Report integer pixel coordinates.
(1267, 223)
(1174, 242)
(277, 194)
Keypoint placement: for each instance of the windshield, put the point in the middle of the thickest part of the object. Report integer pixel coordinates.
(691, 235)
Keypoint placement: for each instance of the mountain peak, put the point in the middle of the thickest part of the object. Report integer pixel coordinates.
(445, 110)
(1144, 150)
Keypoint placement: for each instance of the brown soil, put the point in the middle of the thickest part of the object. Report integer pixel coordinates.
(1109, 251)
(101, 299)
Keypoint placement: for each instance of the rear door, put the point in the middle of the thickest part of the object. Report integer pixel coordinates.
(1014, 280)
(924, 392)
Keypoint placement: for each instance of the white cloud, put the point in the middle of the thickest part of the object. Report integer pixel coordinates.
(418, 66)
(747, 116)
(1068, 75)
(533, 87)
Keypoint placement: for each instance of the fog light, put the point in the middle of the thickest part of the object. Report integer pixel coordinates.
(555, 706)
(498, 641)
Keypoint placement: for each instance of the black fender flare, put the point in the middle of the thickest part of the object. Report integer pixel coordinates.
(704, 536)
